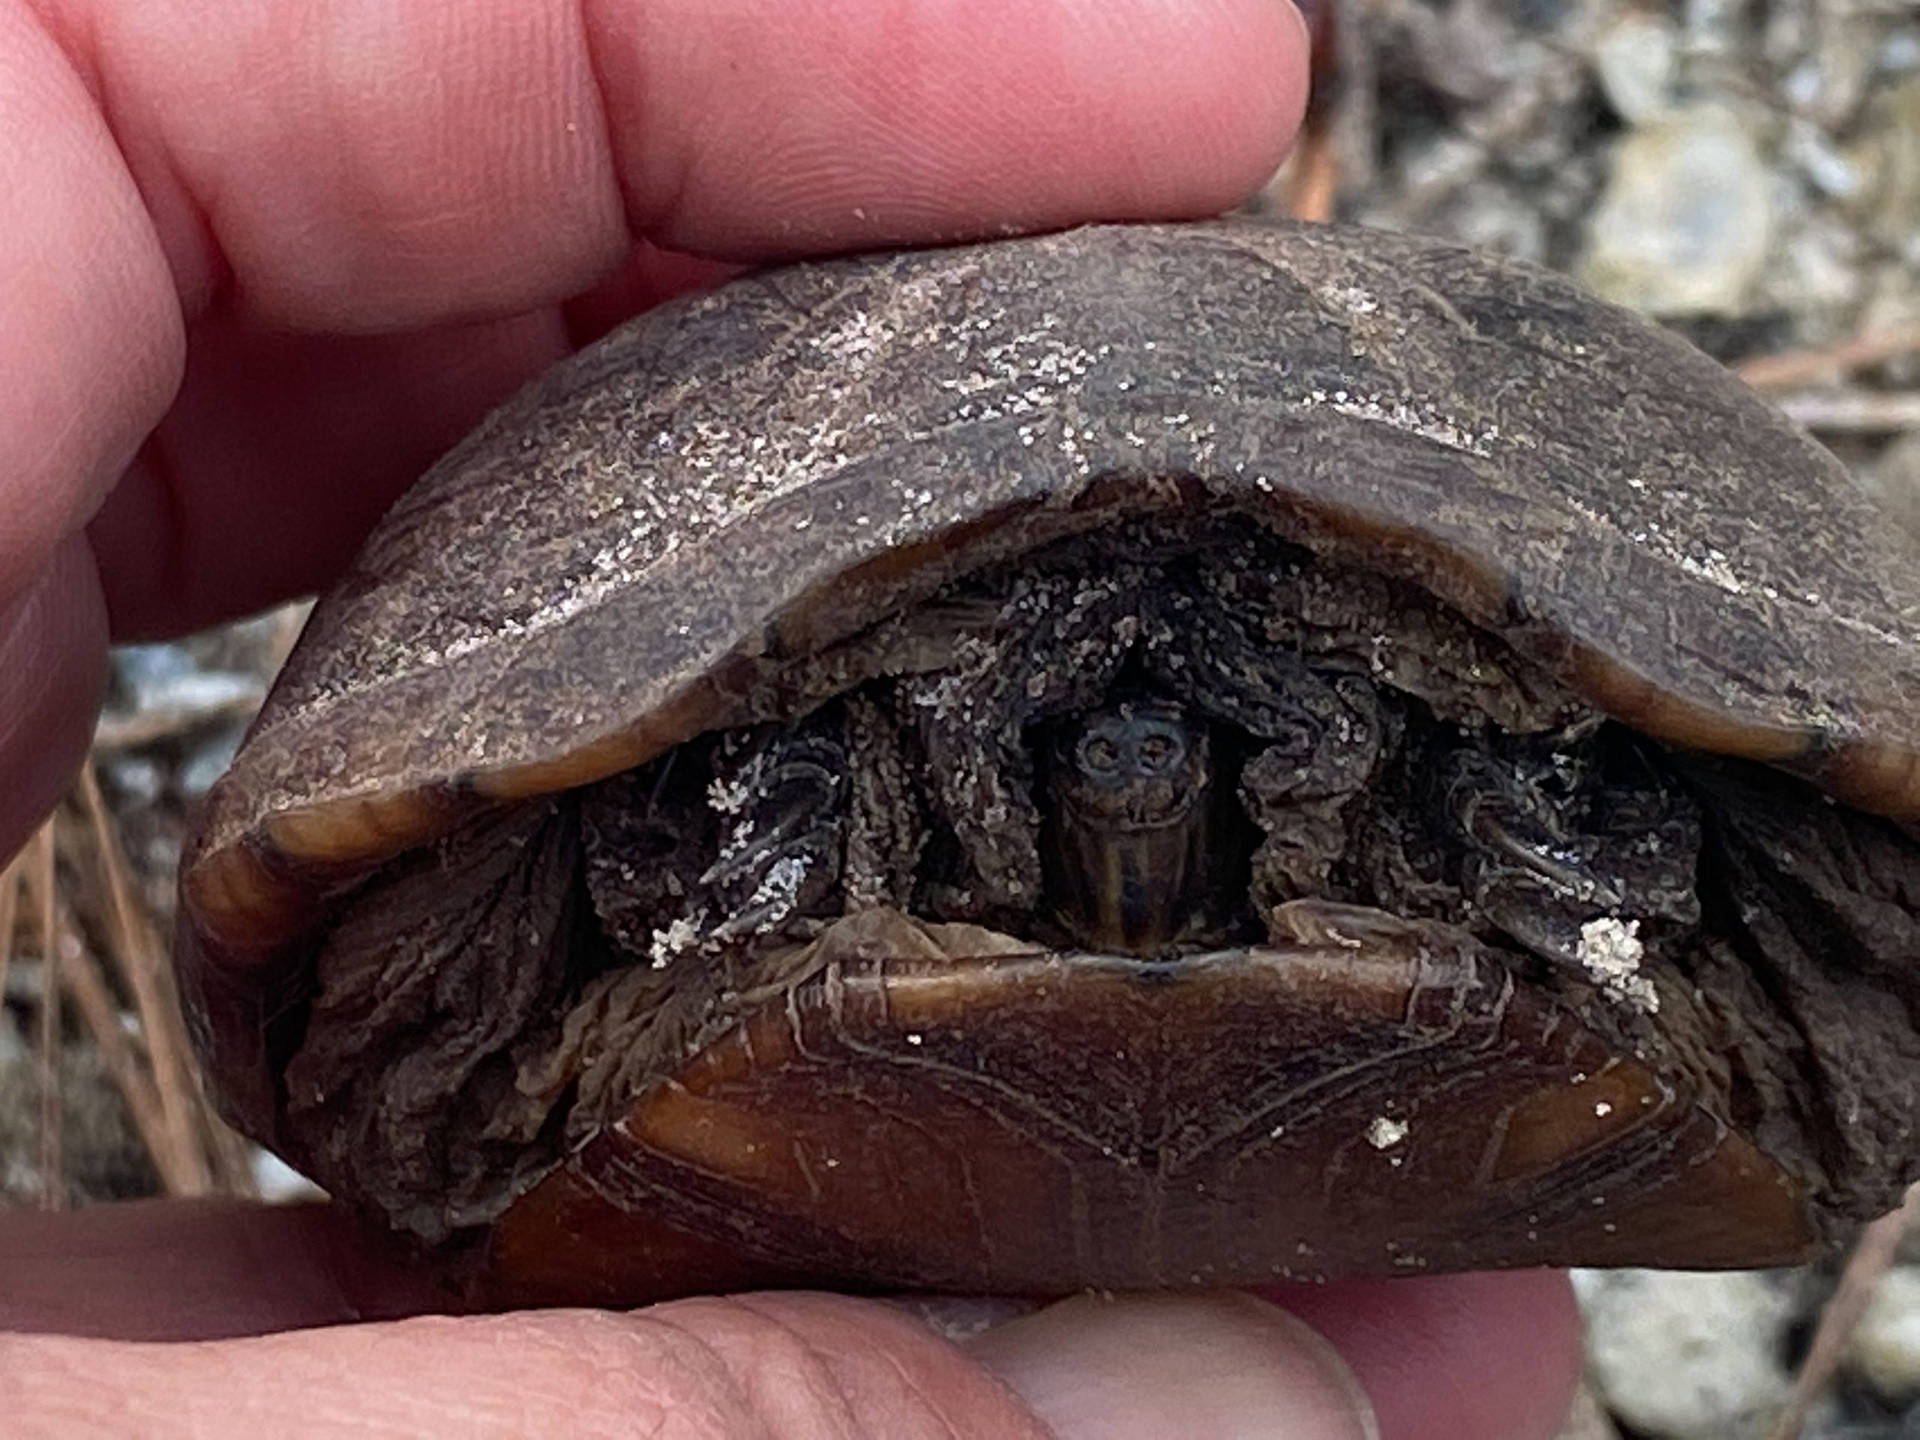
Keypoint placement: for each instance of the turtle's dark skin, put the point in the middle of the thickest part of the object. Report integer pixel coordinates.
(1129, 821)
(1159, 755)
(1111, 760)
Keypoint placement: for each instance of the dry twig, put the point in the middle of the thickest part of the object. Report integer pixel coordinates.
(53, 1190)
(1872, 1255)
(177, 1150)
(1816, 364)
(148, 727)
(13, 877)
(1854, 411)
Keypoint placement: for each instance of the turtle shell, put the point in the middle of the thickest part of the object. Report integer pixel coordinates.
(403, 941)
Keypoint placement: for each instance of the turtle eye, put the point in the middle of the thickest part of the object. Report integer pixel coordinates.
(1099, 755)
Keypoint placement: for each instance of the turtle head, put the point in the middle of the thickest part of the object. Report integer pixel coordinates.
(1125, 794)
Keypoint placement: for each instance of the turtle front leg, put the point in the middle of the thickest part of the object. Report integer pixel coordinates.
(1560, 831)
(782, 798)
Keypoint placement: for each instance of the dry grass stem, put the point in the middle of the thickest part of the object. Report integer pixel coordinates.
(1313, 180)
(1826, 364)
(1857, 412)
(143, 969)
(13, 876)
(230, 1156)
(1872, 1255)
(100, 950)
(147, 727)
(53, 1190)
(82, 980)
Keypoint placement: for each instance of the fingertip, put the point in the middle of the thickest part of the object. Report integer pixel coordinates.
(1143, 1366)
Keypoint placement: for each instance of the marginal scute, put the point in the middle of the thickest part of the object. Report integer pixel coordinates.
(1633, 698)
(1884, 779)
(252, 907)
(358, 829)
(678, 718)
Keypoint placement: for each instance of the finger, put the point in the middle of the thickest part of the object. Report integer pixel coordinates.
(796, 1366)
(280, 452)
(53, 650)
(1145, 1367)
(90, 336)
(1494, 1356)
(197, 1270)
(728, 130)
(376, 166)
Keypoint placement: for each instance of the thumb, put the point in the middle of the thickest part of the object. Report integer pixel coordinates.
(1143, 1367)
(795, 1366)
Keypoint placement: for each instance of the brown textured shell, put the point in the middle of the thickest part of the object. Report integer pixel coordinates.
(770, 467)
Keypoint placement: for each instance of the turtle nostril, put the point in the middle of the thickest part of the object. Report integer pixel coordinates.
(1157, 753)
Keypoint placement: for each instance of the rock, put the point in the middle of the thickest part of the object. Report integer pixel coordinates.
(1635, 59)
(1816, 269)
(1716, 27)
(278, 1183)
(1895, 217)
(1687, 1356)
(1586, 1420)
(208, 760)
(1885, 1352)
(1686, 223)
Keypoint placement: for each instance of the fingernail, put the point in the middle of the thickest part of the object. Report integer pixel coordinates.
(1220, 1364)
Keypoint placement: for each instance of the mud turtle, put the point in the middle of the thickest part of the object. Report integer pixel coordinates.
(1143, 756)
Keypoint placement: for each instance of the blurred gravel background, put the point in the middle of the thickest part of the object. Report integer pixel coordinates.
(1747, 171)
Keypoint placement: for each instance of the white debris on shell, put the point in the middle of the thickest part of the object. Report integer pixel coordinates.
(1355, 298)
(852, 343)
(1385, 1132)
(1402, 416)
(668, 944)
(1610, 952)
(1715, 570)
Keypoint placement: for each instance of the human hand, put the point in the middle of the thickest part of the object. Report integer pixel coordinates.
(259, 265)
(1490, 1357)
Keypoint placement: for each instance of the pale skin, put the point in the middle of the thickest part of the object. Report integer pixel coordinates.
(259, 262)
